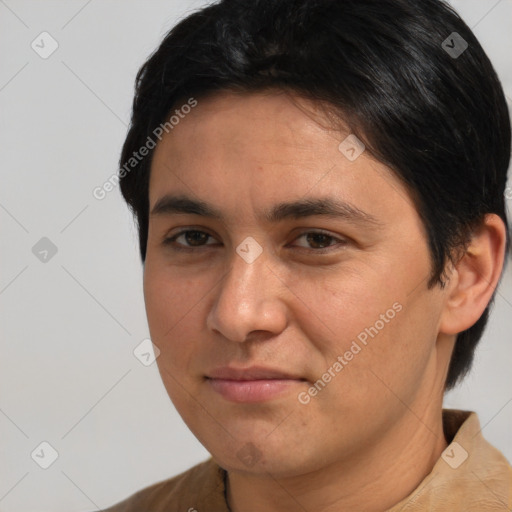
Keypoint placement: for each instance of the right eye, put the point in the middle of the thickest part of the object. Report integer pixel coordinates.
(193, 239)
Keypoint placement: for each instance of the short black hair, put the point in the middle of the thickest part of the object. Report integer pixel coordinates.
(397, 72)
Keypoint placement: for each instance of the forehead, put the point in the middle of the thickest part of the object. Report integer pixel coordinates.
(245, 121)
(261, 148)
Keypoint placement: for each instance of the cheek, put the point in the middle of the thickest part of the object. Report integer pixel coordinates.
(388, 358)
(169, 297)
(346, 308)
(384, 334)
(376, 305)
(173, 304)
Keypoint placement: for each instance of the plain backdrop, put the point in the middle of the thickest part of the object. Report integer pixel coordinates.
(71, 319)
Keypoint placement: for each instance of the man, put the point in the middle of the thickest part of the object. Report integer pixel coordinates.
(319, 190)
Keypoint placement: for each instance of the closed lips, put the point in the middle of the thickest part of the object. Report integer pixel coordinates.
(251, 373)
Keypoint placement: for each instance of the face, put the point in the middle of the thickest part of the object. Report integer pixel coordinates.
(291, 331)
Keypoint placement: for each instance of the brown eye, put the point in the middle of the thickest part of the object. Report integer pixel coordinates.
(196, 238)
(319, 241)
(191, 238)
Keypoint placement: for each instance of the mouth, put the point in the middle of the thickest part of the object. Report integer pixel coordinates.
(253, 384)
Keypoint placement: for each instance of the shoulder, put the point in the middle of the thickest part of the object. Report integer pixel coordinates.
(189, 491)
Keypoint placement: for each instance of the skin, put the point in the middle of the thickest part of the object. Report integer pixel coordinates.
(369, 437)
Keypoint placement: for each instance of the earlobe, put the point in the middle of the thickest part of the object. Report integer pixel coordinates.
(475, 277)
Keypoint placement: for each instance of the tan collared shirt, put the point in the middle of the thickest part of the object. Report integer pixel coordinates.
(470, 476)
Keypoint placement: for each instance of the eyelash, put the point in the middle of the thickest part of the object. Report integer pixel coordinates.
(171, 241)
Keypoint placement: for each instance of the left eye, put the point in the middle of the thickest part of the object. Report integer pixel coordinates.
(320, 238)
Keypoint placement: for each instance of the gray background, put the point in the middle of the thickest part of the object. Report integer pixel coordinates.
(68, 375)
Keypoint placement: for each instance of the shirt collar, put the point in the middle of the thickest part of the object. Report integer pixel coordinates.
(470, 475)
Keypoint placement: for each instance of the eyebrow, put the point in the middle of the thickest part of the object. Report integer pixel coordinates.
(309, 207)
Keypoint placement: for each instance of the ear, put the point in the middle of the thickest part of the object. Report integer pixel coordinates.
(475, 277)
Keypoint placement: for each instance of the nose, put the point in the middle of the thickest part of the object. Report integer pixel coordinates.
(249, 299)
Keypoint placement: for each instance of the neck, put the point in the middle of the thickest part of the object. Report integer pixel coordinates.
(373, 481)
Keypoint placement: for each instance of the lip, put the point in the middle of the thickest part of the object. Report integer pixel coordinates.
(251, 373)
(252, 384)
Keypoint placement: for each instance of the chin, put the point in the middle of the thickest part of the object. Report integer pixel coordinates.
(279, 457)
